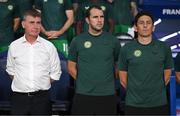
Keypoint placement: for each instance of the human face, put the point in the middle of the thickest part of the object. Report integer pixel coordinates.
(95, 21)
(32, 26)
(144, 26)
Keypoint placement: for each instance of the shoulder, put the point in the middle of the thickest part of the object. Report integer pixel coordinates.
(17, 42)
(46, 42)
(130, 44)
(108, 34)
(81, 36)
(160, 43)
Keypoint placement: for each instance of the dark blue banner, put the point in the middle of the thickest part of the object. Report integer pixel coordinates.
(160, 2)
(165, 12)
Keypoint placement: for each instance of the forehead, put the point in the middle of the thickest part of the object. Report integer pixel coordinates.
(145, 18)
(95, 11)
(30, 18)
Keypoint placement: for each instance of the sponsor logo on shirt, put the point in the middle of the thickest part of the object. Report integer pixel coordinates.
(60, 1)
(10, 7)
(87, 44)
(137, 53)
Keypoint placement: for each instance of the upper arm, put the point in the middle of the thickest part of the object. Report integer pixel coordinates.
(71, 65)
(70, 14)
(168, 63)
(10, 66)
(177, 76)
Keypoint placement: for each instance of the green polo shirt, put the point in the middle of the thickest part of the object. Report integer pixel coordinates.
(82, 8)
(54, 18)
(145, 65)
(95, 57)
(122, 12)
(122, 15)
(53, 13)
(8, 11)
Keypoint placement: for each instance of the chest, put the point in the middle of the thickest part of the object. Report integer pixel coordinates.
(96, 49)
(145, 56)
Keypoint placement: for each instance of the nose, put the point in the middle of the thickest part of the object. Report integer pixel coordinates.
(36, 25)
(100, 19)
(145, 25)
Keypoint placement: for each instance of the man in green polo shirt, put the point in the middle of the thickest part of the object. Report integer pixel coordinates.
(23, 5)
(92, 57)
(57, 17)
(82, 26)
(144, 68)
(9, 22)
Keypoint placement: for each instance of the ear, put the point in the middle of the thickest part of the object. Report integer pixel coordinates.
(153, 28)
(87, 20)
(22, 23)
(135, 28)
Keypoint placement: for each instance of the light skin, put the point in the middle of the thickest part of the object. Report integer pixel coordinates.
(144, 28)
(96, 23)
(32, 26)
(16, 23)
(177, 76)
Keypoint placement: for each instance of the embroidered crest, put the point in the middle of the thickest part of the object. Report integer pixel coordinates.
(137, 53)
(10, 7)
(86, 7)
(103, 8)
(87, 44)
(60, 1)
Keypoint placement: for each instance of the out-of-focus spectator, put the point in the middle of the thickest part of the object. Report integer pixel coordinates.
(9, 21)
(24, 5)
(124, 12)
(57, 17)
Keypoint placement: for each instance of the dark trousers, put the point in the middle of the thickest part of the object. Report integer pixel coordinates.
(159, 110)
(94, 105)
(33, 103)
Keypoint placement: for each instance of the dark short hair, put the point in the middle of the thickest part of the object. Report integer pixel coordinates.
(143, 13)
(90, 8)
(32, 12)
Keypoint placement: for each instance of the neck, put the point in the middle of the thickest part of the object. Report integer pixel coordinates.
(144, 40)
(30, 39)
(95, 33)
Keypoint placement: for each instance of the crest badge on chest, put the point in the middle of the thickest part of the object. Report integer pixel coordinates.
(10, 7)
(87, 44)
(137, 53)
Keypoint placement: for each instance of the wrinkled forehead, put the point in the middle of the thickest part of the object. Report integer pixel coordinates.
(32, 18)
